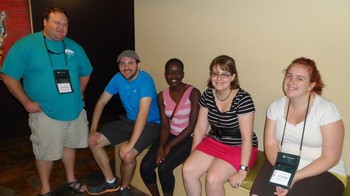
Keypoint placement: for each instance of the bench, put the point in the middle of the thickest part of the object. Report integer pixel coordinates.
(179, 188)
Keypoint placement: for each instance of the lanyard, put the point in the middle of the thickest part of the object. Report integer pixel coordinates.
(285, 124)
(56, 53)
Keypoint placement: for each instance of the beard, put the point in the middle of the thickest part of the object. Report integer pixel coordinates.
(132, 76)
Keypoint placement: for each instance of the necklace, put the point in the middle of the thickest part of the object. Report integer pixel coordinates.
(224, 99)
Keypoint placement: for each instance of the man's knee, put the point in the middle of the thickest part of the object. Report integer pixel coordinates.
(130, 157)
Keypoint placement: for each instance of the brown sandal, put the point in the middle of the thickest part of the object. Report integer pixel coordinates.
(76, 186)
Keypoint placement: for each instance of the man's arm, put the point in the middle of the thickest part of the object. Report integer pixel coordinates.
(145, 104)
(140, 123)
(16, 89)
(84, 80)
(101, 103)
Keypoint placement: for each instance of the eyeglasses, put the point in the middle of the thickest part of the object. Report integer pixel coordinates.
(224, 75)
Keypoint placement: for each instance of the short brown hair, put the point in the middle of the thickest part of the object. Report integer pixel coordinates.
(50, 10)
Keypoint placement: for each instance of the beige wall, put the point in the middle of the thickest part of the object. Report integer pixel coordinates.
(263, 36)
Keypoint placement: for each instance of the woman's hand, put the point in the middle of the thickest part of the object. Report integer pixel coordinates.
(160, 156)
(237, 178)
(281, 191)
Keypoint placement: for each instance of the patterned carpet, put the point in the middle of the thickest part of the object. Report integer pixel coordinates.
(18, 175)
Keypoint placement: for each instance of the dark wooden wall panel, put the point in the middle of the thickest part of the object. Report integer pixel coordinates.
(104, 28)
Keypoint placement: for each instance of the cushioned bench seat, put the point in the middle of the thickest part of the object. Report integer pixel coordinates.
(179, 188)
(347, 190)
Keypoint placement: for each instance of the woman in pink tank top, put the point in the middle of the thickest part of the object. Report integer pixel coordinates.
(178, 107)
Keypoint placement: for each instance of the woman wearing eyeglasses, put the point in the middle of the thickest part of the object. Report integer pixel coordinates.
(227, 151)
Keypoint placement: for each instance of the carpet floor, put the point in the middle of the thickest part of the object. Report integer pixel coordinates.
(18, 174)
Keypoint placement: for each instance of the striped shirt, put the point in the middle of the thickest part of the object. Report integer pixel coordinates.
(182, 114)
(241, 104)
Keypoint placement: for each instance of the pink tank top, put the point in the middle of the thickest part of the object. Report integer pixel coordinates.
(182, 114)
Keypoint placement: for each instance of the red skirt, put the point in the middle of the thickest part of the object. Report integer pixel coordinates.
(230, 154)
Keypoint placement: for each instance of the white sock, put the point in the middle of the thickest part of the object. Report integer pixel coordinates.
(112, 181)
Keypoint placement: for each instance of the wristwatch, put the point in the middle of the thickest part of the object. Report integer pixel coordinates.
(243, 167)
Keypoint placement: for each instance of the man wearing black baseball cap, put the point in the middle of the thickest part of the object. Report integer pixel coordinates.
(140, 125)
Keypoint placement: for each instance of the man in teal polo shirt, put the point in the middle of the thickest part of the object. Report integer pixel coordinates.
(55, 71)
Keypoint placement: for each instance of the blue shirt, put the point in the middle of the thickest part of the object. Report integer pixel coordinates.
(131, 92)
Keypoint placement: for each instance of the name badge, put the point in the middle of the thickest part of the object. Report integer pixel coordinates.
(280, 177)
(284, 170)
(63, 81)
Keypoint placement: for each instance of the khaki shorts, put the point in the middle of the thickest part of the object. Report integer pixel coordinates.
(50, 136)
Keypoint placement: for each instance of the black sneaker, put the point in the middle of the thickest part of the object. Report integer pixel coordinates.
(103, 188)
(125, 191)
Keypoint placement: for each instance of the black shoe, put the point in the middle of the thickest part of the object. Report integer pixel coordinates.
(104, 188)
(125, 191)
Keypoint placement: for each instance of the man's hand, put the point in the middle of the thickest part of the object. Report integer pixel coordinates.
(32, 107)
(124, 149)
(93, 138)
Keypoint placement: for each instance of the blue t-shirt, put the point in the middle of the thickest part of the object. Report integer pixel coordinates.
(29, 59)
(131, 92)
